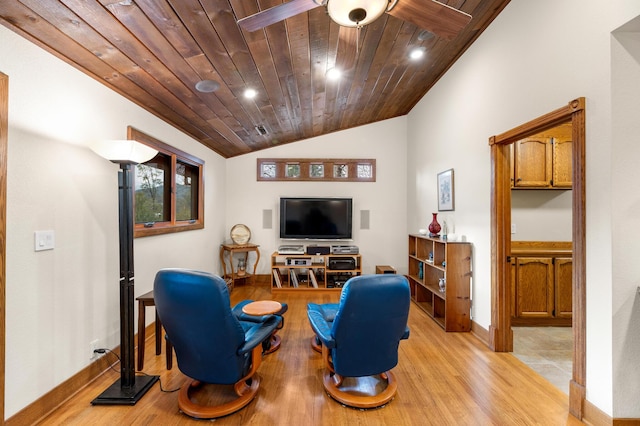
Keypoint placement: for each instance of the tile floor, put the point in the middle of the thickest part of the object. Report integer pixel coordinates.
(547, 351)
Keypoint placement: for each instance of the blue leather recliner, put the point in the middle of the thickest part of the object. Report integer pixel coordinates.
(212, 345)
(361, 337)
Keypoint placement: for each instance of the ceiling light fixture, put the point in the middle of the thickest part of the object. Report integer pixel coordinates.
(250, 93)
(425, 35)
(207, 86)
(417, 53)
(333, 74)
(356, 13)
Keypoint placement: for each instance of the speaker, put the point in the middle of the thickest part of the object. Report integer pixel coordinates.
(317, 250)
(267, 219)
(364, 219)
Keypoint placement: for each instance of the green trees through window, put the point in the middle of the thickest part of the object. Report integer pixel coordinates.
(149, 194)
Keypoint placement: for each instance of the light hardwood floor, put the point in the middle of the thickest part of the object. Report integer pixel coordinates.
(443, 379)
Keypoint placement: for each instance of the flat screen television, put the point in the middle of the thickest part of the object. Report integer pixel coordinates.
(315, 218)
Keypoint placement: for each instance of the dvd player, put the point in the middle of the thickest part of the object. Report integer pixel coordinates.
(344, 250)
(292, 249)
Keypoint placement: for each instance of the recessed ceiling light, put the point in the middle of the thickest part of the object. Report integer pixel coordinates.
(250, 93)
(207, 86)
(333, 74)
(424, 35)
(417, 53)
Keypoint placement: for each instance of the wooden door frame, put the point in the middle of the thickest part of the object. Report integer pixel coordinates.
(4, 141)
(500, 333)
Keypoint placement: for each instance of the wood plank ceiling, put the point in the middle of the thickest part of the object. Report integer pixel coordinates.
(154, 52)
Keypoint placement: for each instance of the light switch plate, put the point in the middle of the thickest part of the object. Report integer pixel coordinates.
(44, 240)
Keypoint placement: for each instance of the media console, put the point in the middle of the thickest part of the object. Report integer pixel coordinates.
(317, 250)
(295, 272)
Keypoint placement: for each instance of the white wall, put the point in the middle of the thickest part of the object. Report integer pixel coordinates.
(384, 243)
(625, 176)
(60, 300)
(535, 57)
(541, 215)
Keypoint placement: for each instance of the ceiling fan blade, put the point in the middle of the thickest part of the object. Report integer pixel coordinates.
(433, 16)
(347, 53)
(275, 14)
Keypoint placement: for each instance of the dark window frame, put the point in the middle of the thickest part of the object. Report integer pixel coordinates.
(172, 225)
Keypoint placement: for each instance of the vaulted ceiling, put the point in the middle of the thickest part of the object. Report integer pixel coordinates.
(154, 52)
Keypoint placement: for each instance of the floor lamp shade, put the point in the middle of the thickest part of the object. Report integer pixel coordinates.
(129, 388)
(123, 151)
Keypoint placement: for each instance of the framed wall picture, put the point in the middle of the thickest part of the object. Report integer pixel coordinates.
(445, 191)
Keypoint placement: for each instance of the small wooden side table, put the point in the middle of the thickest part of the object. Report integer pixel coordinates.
(238, 248)
(144, 301)
(385, 269)
(265, 307)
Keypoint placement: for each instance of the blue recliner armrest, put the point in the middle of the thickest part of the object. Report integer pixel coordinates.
(258, 333)
(320, 326)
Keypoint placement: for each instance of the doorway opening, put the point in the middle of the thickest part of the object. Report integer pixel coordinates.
(500, 332)
(541, 253)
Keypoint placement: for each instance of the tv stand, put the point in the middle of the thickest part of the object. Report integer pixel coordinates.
(298, 272)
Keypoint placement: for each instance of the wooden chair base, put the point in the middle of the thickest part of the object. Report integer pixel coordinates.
(333, 382)
(246, 393)
(274, 344)
(246, 388)
(316, 345)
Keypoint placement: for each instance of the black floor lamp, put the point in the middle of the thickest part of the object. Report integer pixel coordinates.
(129, 388)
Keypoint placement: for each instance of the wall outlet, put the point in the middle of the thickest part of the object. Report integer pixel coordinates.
(93, 345)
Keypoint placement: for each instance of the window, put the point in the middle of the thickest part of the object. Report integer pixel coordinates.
(340, 171)
(316, 169)
(292, 170)
(365, 171)
(168, 191)
(268, 170)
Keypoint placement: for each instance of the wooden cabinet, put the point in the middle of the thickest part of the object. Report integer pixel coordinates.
(532, 162)
(541, 283)
(562, 162)
(543, 161)
(563, 276)
(306, 272)
(432, 260)
(534, 287)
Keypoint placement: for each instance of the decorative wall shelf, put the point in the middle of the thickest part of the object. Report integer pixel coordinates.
(316, 169)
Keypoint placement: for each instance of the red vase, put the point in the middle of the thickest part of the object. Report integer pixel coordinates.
(434, 226)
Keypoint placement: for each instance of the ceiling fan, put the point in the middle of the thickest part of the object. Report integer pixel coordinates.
(433, 16)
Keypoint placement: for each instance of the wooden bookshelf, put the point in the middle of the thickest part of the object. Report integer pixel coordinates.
(432, 260)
